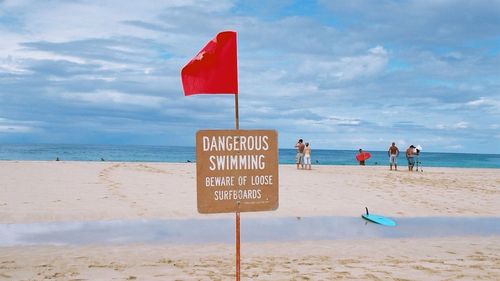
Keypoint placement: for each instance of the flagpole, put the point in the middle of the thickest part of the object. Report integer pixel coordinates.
(236, 112)
(238, 243)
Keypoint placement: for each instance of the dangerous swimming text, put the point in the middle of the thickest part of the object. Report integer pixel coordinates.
(250, 144)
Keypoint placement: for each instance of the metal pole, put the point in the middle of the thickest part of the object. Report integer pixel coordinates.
(238, 245)
(238, 211)
(236, 111)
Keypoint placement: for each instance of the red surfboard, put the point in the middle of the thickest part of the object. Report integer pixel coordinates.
(363, 156)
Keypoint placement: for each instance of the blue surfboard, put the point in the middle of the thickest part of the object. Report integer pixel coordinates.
(378, 219)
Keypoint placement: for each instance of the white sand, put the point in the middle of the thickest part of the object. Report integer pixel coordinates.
(76, 191)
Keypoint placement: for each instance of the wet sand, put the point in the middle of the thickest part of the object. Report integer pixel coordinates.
(89, 191)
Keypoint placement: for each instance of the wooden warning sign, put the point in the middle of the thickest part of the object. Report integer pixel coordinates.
(237, 170)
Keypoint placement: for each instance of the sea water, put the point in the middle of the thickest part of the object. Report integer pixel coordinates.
(181, 154)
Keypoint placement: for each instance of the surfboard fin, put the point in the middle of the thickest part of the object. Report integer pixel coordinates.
(367, 211)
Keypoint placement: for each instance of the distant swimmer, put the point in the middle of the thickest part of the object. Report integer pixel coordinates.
(57, 158)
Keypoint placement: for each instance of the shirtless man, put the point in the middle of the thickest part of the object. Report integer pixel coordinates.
(299, 159)
(409, 156)
(393, 153)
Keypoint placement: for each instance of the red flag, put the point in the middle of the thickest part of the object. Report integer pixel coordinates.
(214, 70)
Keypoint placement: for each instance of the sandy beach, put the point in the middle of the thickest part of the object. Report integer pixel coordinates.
(90, 191)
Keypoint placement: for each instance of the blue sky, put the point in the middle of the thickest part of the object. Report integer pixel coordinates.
(339, 74)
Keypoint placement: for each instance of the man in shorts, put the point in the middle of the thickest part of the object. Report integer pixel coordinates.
(393, 153)
(299, 158)
(409, 156)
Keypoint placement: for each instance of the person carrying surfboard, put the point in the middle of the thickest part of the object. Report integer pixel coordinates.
(362, 157)
(393, 153)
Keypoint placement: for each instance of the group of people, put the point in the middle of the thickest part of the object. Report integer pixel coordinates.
(412, 152)
(303, 157)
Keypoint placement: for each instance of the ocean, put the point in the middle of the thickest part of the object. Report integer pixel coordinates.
(180, 154)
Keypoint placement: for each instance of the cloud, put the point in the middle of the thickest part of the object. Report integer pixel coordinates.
(342, 121)
(347, 68)
(11, 65)
(346, 74)
(8, 126)
(456, 126)
(479, 102)
(455, 147)
(483, 102)
(111, 98)
(14, 129)
(461, 125)
(422, 22)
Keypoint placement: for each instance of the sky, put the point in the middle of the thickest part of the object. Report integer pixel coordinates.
(338, 74)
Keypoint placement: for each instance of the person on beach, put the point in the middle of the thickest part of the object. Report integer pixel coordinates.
(393, 153)
(362, 162)
(409, 156)
(299, 158)
(307, 157)
(417, 157)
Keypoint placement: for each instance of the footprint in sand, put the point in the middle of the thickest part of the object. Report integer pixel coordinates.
(114, 187)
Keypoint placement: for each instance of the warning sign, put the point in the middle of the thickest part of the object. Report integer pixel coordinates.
(237, 170)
